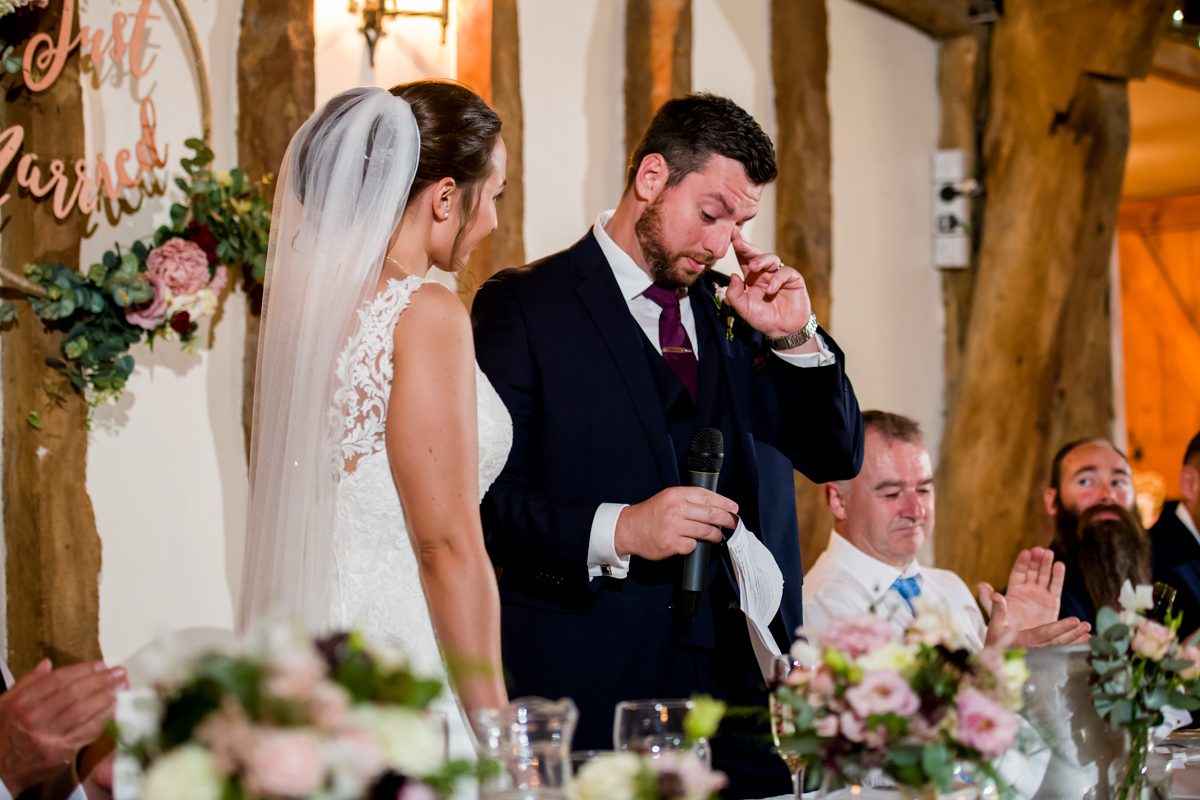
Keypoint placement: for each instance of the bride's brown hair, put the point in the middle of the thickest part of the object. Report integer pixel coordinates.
(458, 133)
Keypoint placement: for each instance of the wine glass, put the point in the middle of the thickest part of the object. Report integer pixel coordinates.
(783, 725)
(652, 727)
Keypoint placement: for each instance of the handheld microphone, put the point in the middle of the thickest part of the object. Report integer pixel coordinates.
(706, 452)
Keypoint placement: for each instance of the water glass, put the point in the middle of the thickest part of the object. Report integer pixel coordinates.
(652, 727)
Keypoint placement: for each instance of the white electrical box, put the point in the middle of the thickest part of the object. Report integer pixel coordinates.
(951, 214)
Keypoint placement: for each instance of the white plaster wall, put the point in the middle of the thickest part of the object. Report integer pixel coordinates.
(887, 310)
(166, 465)
(411, 49)
(572, 78)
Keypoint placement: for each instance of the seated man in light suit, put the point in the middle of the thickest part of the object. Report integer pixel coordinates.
(882, 517)
(47, 719)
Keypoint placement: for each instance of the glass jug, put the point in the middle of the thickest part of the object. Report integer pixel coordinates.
(528, 747)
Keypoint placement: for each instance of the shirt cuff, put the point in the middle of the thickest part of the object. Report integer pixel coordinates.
(603, 561)
(5, 794)
(824, 357)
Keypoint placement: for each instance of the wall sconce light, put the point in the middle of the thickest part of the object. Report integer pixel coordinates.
(374, 12)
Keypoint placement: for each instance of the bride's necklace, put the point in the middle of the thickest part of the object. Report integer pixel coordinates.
(397, 263)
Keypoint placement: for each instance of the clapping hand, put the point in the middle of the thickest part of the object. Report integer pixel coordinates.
(1029, 608)
(771, 297)
(49, 715)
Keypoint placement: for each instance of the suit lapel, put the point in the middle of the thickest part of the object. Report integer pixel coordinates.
(602, 300)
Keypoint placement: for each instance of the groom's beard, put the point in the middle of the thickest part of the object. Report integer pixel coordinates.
(665, 268)
(1106, 552)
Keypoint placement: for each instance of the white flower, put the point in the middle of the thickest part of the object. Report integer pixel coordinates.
(386, 657)
(896, 657)
(719, 292)
(932, 625)
(201, 304)
(186, 773)
(412, 744)
(1138, 599)
(607, 777)
(805, 654)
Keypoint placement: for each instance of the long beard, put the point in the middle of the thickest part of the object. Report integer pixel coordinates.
(1107, 552)
(664, 266)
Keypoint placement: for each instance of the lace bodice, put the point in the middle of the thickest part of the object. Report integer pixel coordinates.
(364, 381)
(376, 584)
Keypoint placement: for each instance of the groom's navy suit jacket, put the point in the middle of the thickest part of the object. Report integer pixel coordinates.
(599, 417)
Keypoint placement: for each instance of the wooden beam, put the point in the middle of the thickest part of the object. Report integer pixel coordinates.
(803, 217)
(962, 79)
(941, 19)
(1037, 368)
(53, 548)
(1177, 61)
(277, 86)
(658, 60)
(489, 61)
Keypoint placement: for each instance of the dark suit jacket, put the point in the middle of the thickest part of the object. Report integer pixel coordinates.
(557, 340)
(1176, 558)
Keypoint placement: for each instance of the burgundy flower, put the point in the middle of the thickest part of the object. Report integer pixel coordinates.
(201, 235)
(181, 323)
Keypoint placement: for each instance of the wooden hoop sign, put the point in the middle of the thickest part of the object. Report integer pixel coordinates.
(79, 186)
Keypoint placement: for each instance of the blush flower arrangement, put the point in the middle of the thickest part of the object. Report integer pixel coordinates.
(286, 717)
(152, 290)
(1140, 668)
(633, 776)
(917, 707)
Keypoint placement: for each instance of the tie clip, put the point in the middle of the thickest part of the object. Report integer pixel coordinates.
(677, 349)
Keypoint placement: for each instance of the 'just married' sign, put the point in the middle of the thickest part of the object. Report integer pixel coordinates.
(81, 184)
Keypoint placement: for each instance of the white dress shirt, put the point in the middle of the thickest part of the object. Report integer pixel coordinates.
(845, 581)
(603, 559)
(1182, 514)
(5, 794)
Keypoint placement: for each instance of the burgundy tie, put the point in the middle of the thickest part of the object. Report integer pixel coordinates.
(676, 346)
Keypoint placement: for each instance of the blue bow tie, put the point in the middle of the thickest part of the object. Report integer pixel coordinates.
(908, 588)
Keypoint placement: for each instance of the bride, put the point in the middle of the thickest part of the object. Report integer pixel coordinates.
(375, 433)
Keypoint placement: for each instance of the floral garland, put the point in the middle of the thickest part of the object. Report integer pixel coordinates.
(158, 290)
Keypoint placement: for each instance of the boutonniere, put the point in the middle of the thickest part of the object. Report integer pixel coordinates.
(725, 311)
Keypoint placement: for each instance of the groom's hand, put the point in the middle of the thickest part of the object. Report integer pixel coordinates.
(671, 522)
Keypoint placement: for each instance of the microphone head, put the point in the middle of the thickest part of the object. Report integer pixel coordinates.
(706, 451)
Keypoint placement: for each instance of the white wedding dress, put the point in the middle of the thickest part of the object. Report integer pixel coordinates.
(376, 585)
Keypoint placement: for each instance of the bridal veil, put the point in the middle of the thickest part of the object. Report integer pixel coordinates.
(342, 188)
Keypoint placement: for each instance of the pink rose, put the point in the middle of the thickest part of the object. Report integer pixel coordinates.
(984, 724)
(686, 775)
(330, 705)
(822, 683)
(284, 763)
(858, 635)
(1191, 654)
(295, 673)
(882, 691)
(852, 727)
(229, 735)
(180, 264)
(827, 726)
(1152, 640)
(413, 790)
(152, 314)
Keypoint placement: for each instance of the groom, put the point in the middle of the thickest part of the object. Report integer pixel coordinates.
(609, 355)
